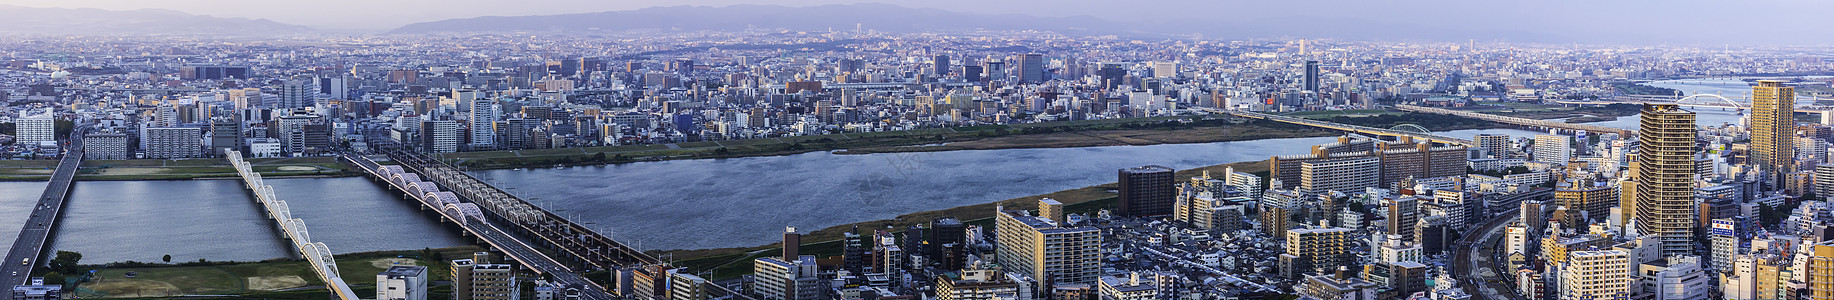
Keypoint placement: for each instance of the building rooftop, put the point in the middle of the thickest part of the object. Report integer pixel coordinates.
(403, 271)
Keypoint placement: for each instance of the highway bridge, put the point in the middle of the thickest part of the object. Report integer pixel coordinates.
(317, 254)
(1532, 123)
(28, 249)
(1419, 136)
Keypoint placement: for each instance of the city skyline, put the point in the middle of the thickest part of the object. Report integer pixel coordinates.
(1697, 22)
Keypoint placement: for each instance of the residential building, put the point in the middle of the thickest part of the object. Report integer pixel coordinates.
(1601, 274)
(1315, 249)
(106, 145)
(1773, 129)
(1662, 178)
(1146, 190)
(402, 283)
(1039, 248)
(173, 142)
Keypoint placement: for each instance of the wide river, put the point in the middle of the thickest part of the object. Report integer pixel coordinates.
(683, 204)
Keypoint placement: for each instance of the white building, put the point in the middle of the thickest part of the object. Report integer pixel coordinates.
(1553, 149)
(173, 142)
(36, 128)
(402, 283)
(1596, 275)
(483, 120)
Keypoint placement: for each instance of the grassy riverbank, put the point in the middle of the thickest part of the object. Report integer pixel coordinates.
(725, 263)
(271, 279)
(181, 169)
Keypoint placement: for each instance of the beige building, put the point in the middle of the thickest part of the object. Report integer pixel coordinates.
(1773, 128)
(1596, 275)
(1039, 247)
(1663, 175)
(1315, 249)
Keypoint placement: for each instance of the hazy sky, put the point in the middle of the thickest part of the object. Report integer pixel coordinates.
(1719, 19)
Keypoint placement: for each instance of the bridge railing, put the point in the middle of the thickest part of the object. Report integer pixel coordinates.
(317, 254)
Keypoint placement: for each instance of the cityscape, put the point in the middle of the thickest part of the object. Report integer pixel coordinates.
(883, 150)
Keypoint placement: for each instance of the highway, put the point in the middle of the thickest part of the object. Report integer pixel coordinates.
(29, 248)
(1479, 281)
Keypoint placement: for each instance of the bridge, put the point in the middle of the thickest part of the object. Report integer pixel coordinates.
(472, 219)
(1405, 134)
(1739, 103)
(28, 249)
(1541, 124)
(316, 254)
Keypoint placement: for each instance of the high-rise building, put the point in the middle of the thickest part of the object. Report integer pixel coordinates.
(1147, 190)
(477, 279)
(1553, 149)
(439, 136)
(1047, 250)
(941, 62)
(1031, 68)
(483, 124)
(402, 283)
(780, 279)
(1820, 270)
(1824, 180)
(1663, 177)
(106, 145)
(1773, 129)
(1313, 249)
(1725, 244)
(297, 93)
(1583, 194)
(1403, 216)
(1496, 145)
(1347, 175)
(1596, 275)
(35, 129)
(1311, 76)
(173, 142)
(1165, 69)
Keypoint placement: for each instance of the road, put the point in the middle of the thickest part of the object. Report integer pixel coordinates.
(29, 248)
(1482, 282)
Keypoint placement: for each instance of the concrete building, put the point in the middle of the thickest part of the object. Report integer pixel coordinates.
(474, 279)
(402, 283)
(1315, 249)
(1038, 247)
(106, 145)
(1596, 275)
(1497, 146)
(1673, 278)
(1553, 149)
(1398, 160)
(684, 286)
(1582, 194)
(1662, 178)
(976, 284)
(35, 129)
(440, 136)
(1338, 287)
(173, 142)
(1342, 175)
(1146, 190)
(1131, 287)
(1773, 129)
(483, 120)
(777, 279)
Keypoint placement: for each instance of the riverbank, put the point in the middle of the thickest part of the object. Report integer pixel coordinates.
(272, 279)
(181, 169)
(724, 263)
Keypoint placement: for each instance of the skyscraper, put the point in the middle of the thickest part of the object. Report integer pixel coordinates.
(1773, 130)
(942, 65)
(1663, 173)
(1496, 145)
(1311, 76)
(1553, 149)
(483, 120)
(297, 93)
(1031, 68)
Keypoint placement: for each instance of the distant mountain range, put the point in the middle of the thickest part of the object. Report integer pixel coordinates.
(89, 21)
(882, 17)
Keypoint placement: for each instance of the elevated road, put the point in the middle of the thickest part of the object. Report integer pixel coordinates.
(1544, 124)
(28, 250)
(317, 254)
(1418, 136)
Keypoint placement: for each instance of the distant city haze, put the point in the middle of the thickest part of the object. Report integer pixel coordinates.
(1703, 22)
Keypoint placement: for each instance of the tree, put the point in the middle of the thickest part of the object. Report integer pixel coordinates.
(1768, 216)
(54, 278)
(167, 258)
(66, 262)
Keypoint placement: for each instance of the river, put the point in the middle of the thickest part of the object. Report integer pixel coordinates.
(681, 204)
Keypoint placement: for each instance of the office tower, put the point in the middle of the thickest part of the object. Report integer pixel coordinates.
(36, 129)
(1553, 149)
(173, 142)
(1403, 215)
(1664, 176)
(1045, 250)
(402, 283)
(106, 145)
(1596, 275)
(1031, 68)
(1315, 249)
(483, 124)
(853, 252)
(1496, 145)
(1773, 129)
(1824, 180)
(941, 62)
(1311, 76)
(195, 72)
(297, 93)
(1146, 190)
(225, 134)
(792, 242)
(441, 136)
(1515, 239)
(1111, 74)
(1346, 175)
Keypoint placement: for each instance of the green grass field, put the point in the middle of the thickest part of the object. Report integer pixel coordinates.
(266, 278)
